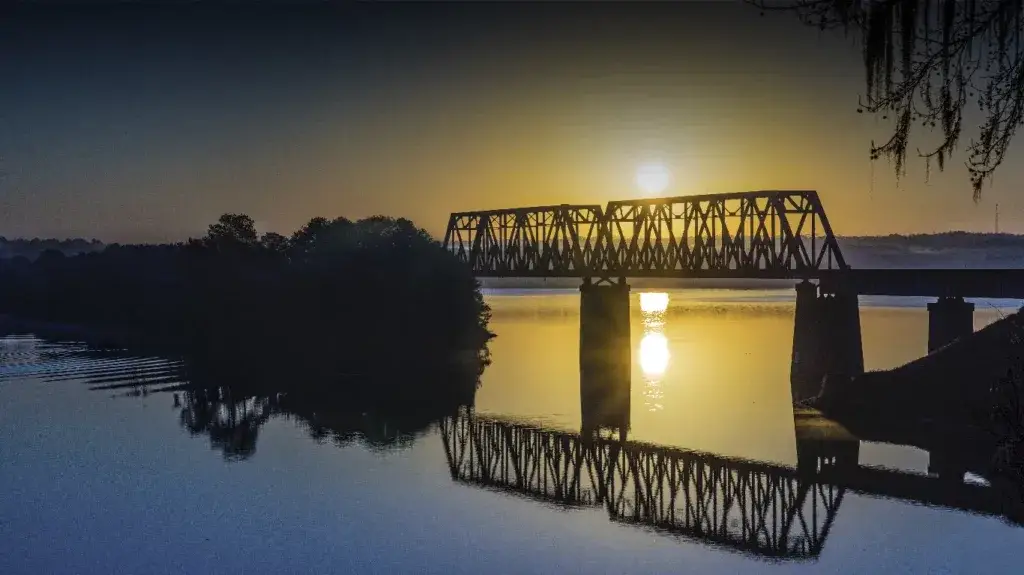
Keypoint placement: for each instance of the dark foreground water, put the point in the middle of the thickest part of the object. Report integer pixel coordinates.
(99, 474)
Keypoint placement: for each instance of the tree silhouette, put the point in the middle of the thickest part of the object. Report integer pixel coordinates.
(339, 298)
(321, 238)
(232, 230)
(275, 243)
(925, 61)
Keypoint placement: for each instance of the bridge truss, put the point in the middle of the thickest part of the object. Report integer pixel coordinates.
(761, 234)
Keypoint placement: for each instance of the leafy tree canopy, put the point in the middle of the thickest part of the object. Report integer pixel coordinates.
(925, 62)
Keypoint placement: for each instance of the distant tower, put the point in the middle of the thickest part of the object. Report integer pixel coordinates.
(997, 218)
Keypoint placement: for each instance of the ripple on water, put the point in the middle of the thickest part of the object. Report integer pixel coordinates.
(28, 356)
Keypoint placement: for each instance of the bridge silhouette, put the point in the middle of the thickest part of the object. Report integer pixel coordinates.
(766, 235)
(756, 508)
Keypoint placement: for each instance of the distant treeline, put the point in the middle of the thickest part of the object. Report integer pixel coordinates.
(947, 240)
(33, 248)
(375, 299)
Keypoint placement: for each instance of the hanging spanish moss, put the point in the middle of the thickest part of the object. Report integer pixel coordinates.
(925, 61)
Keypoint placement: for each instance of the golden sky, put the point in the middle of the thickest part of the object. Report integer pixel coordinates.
(145, 126)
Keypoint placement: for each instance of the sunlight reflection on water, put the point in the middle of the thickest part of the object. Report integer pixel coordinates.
(654, 355)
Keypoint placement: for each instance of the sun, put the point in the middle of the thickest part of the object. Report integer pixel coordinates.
(653, 178)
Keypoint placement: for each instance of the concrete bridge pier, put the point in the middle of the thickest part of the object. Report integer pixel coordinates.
(806, 366)
(826, 339)
(949, 319)
(605, 354)
(841, 334)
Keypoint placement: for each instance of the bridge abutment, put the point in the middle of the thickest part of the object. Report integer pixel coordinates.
(605, 354)
(826, 339)
(949, 319)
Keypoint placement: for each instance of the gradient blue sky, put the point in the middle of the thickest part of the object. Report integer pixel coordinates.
(145, 124)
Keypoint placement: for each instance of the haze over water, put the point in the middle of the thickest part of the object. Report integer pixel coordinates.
(99, 484)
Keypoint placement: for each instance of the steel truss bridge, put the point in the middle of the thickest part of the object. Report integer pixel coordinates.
(759, 509)
(768, 234)
(762, 234)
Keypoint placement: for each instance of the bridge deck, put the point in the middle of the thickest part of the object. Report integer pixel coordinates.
(979, 283)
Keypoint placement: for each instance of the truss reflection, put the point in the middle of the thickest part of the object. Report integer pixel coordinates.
(762, 509)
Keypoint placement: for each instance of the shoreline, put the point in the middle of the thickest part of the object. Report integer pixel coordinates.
(134, 342)
(100, 337)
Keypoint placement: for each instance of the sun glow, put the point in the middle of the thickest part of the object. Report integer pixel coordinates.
(654, 354)
(653, 178)
(653, 302)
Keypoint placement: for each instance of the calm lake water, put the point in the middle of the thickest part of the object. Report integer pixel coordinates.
(97, 477)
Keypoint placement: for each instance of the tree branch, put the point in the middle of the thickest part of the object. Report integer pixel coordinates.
(925, 60)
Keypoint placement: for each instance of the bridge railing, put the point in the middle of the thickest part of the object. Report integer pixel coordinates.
(762, 234)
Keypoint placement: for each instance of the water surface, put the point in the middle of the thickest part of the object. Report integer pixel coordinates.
(100, 476)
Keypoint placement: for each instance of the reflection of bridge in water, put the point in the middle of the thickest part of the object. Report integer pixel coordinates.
(757, 508)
